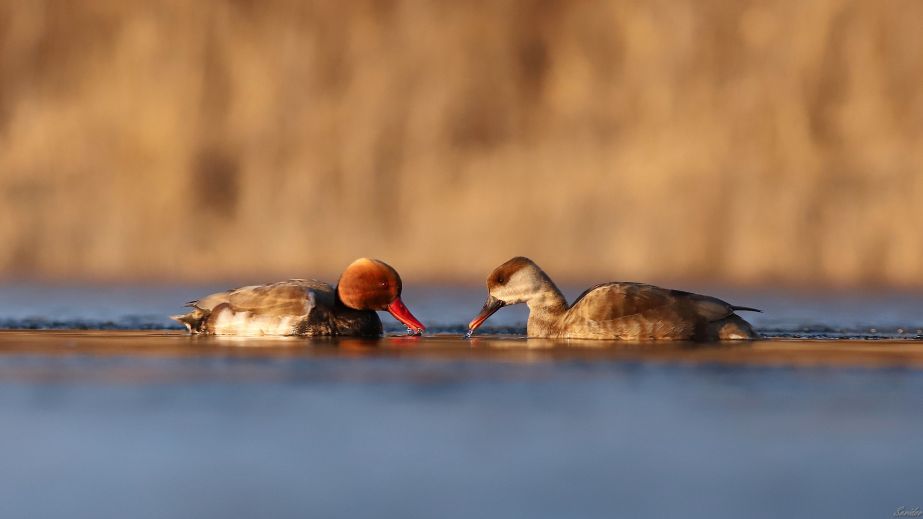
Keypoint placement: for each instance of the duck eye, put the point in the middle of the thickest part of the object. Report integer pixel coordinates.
(382, 284)
(500, 280)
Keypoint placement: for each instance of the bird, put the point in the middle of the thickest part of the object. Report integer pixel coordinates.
(615, 310)
(306, 307)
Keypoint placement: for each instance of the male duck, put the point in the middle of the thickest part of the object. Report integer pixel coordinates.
(306, 307)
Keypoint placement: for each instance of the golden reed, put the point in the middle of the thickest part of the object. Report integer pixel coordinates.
(739, 141)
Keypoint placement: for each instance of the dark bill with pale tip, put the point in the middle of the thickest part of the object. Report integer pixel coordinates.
(402, 314)
(492, 305)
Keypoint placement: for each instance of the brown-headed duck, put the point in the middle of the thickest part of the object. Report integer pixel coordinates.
(306, 307)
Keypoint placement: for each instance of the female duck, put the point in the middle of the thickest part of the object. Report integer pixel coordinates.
(306, 307)
(631, 311)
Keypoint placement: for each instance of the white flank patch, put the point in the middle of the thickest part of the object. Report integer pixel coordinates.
(229, 322)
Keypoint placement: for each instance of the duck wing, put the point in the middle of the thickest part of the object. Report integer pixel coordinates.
(283, 297)
(609, 301)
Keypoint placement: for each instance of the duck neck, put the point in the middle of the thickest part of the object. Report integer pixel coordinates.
(546, 309)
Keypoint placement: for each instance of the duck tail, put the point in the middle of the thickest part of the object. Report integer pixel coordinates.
(192, 321)
(745, 309)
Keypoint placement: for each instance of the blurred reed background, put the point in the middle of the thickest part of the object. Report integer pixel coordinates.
(722, 141)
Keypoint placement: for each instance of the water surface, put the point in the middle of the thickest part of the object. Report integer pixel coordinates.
(111, 421)
(447, 309)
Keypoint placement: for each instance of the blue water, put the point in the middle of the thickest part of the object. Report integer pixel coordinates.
(399, 437)
(105, 422)
(448, 309)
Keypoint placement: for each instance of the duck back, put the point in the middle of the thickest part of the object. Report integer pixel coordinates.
(638, 311)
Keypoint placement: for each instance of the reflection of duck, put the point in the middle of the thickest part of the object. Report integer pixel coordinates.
(306, 307)
(610, 310)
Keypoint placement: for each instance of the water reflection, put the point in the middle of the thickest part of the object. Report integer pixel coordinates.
(420, 426)
(483, 349)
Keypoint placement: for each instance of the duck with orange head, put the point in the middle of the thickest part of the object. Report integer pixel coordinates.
(617, 310)
(305, 306)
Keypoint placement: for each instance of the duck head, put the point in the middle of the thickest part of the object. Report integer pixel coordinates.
(517, 281)
(369, 284)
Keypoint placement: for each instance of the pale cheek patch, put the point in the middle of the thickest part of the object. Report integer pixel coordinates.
(517, 290)
(520, 288)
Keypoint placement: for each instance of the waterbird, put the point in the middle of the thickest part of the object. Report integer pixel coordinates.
(615, 310)
(306, 306)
